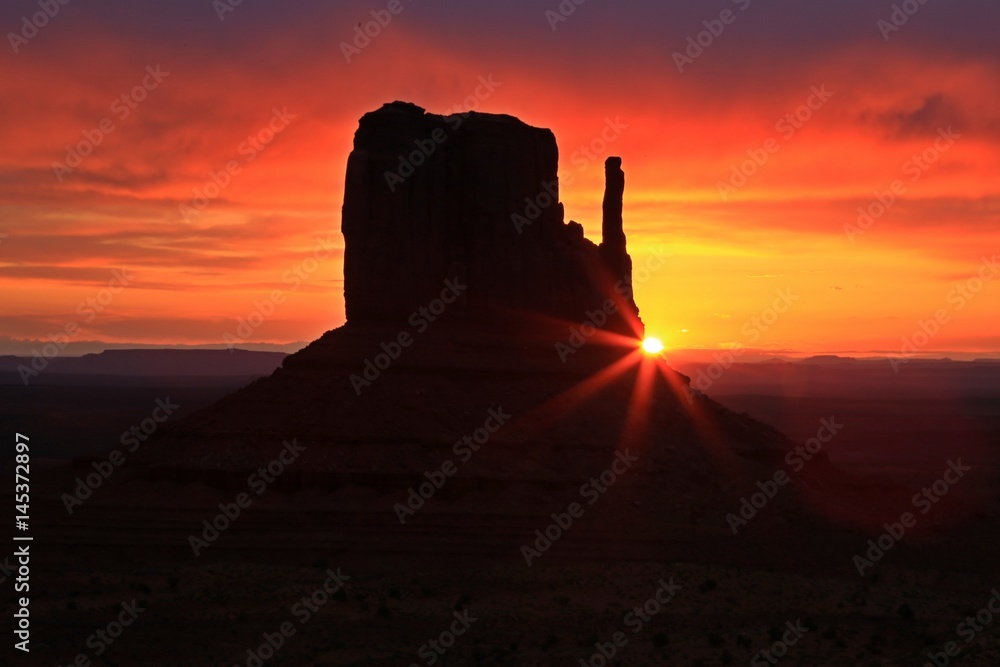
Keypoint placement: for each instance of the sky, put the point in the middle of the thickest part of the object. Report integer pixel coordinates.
(821, 176)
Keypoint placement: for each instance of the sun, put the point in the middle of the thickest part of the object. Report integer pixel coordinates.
(652, 346)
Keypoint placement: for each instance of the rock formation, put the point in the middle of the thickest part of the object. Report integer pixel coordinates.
(379, 402)
(472, 197)
(612, 248)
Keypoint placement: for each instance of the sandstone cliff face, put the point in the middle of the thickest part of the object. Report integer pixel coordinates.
(472, 197)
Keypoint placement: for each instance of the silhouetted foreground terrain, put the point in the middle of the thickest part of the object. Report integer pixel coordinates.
(737, 588)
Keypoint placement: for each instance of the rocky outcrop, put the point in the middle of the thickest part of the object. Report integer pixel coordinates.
(613, 252)
(472, 198)
(381, 403)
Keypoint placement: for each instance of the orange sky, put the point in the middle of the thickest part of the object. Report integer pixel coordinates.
(729, 257)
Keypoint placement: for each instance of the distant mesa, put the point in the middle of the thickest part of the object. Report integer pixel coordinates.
(473, 197)
(156, 363)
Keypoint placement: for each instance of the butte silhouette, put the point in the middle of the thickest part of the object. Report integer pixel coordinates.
(491, 351)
